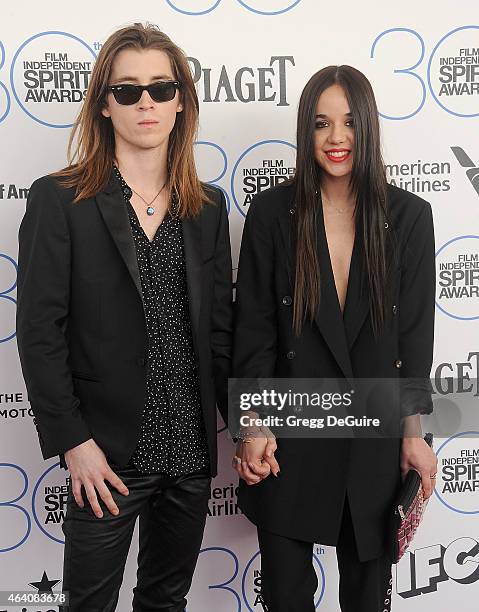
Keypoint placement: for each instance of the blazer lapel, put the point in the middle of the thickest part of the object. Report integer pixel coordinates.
(194, 265)
(115, 214)
(286, 226)
(329, 317)
(357, 297)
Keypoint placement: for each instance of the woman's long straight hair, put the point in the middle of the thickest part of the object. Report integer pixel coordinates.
(368, 184)
(91, 149)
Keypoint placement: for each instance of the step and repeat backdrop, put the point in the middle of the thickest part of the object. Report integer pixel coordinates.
(250, 60)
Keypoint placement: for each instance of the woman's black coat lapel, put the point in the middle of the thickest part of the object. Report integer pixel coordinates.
(339, 331)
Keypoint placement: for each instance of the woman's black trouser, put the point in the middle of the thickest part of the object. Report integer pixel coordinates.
(288, 579)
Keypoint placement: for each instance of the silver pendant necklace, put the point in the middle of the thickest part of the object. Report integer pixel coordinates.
(127, 191)
(150, 210)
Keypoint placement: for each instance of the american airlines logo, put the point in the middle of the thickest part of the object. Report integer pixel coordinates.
(472, 169)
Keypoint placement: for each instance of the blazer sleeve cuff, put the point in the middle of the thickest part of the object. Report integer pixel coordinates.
(416, 397)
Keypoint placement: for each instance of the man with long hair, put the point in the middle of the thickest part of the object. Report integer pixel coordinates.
(124, 325)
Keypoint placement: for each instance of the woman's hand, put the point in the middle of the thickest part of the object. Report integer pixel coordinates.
(418, 455)
(254, 459)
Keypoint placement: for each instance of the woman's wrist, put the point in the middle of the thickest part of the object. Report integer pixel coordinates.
(411, 427)
(246, 435)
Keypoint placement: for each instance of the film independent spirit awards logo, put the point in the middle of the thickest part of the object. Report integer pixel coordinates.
(49, 502)
(458, 473)
(457, 261)
(49, 76)
(263, 165)
(251, 583)
(453, 71)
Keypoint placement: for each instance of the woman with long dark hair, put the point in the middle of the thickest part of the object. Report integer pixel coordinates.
(336, 281)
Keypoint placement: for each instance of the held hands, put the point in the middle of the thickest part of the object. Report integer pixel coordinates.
(254, 460)
(416, 454)
(88, 467)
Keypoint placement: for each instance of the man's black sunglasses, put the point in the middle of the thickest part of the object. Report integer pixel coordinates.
(162, 91)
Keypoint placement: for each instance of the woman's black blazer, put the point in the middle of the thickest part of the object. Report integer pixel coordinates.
(81, 325)
(306, 500)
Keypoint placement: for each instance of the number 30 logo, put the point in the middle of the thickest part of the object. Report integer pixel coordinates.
(452, 72)
(6, 300)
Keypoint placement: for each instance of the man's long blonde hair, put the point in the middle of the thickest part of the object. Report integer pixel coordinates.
(91, 149)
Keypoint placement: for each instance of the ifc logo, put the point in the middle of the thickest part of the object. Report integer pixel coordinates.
(263, 165)
(49, 77)
(260, 7)
(251, 583)
(457, 287)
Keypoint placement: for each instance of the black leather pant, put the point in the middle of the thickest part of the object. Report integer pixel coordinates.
(288, 579)
(172, 514)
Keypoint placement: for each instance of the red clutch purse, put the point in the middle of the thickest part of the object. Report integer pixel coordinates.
(408, 511)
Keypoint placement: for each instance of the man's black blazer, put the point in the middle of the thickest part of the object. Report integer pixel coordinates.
(305, 502)
(81, 327)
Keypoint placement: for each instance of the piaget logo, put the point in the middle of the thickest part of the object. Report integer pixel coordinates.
(246, 83)
(460, 377)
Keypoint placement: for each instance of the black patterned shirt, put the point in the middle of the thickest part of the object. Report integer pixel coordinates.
(173, 437)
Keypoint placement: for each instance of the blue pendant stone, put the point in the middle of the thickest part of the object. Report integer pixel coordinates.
(150, 211)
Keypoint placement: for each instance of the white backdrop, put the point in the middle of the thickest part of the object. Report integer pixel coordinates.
(251, 59)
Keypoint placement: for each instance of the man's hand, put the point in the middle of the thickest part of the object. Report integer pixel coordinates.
(88, 467)
(418, 455)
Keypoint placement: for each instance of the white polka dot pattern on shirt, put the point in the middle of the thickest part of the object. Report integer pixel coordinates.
(172, 437)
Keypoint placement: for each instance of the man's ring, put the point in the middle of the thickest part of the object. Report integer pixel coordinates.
(236, 459)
